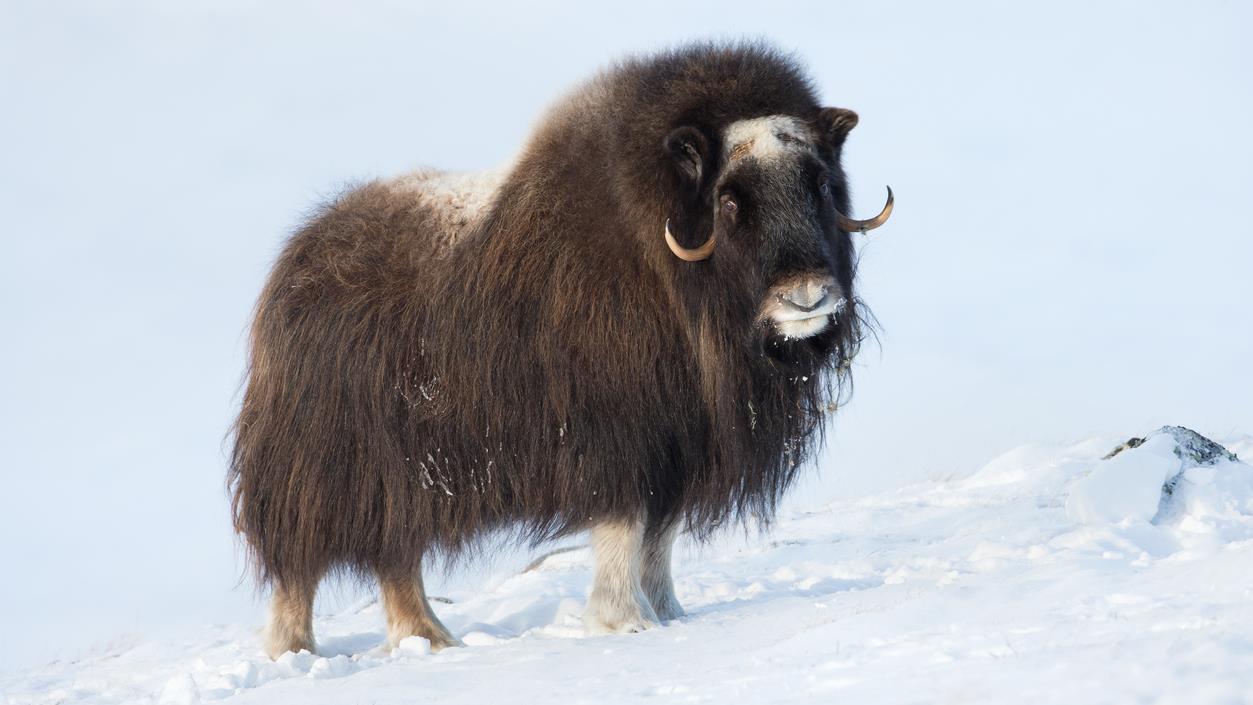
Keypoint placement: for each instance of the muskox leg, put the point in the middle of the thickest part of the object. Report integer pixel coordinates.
(291, 620)
(655, 562)
(618, 602)
(409, 614)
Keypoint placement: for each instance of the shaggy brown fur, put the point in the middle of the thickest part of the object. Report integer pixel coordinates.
(556, 365)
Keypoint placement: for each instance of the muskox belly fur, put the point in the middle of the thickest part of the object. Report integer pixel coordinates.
(436, 357)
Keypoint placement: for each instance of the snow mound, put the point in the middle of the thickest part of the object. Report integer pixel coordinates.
(1055, 574)
(1127, 486)
(1175, 475)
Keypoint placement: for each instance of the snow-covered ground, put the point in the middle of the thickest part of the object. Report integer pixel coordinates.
(1049, 575)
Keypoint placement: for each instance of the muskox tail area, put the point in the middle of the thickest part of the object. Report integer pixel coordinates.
(318, 474)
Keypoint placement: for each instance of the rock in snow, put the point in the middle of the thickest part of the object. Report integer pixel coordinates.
(1137, 481)
(1055, 574)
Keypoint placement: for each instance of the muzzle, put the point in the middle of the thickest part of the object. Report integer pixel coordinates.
(803, 305)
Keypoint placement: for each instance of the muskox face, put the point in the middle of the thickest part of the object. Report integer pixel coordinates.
(767, 193)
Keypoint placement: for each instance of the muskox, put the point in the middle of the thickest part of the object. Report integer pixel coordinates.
(635, 329)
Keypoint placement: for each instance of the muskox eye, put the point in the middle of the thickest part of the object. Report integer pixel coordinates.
(824, 187)
(729, 205)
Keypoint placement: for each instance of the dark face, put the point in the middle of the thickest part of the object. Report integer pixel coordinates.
(771, 205)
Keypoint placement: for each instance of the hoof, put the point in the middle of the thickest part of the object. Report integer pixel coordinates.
(668, 612)
(276, 649)
(628, 626)
(636, 627)
(620, 619)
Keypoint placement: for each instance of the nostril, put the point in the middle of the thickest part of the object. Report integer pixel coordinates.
(793, 303)
(806, 298)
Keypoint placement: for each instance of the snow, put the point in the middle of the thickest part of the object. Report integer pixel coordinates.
(1127, 486)
(1050, 575)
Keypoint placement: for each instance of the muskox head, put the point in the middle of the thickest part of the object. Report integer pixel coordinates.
(762, 200)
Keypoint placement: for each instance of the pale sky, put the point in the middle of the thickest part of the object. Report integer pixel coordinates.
(1069, 255)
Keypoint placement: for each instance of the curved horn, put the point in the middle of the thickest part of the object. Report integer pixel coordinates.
(861, 226)
(687, 255)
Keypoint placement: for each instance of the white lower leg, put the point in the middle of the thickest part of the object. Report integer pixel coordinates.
(655, 577)
(618, 602)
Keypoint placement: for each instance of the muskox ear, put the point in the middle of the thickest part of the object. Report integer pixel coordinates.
(834, 125)
(687, 148)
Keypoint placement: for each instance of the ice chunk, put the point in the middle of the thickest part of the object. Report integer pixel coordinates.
(338, 666)
(180, 690)
(413, 646)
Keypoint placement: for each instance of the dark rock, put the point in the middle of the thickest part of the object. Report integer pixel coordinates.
(1192, 449)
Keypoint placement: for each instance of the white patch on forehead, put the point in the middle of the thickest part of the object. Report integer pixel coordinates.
(767, 138)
